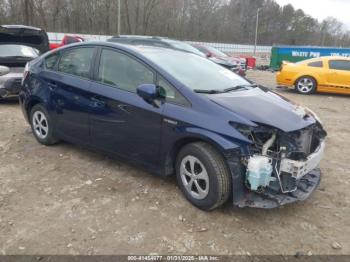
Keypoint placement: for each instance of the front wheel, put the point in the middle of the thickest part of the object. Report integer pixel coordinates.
(203, 176)
(42, 126)
(306, 85)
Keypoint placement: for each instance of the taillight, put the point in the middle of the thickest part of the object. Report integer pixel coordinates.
(25, 73)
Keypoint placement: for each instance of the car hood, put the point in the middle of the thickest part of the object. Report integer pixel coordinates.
(24, 35)
(265, 107)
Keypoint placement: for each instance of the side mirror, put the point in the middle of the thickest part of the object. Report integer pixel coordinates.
(209, 55)
(149, 92)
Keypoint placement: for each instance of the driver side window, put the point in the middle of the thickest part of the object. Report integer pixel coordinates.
(123, 72)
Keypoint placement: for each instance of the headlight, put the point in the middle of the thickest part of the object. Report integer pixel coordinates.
(4, 70)
(243, 129)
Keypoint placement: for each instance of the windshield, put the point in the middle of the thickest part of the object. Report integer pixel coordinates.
(18, 51)
(196, 72)
(216, 52)
(184, 46)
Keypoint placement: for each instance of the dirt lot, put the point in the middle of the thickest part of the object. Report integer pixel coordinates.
(67, 200)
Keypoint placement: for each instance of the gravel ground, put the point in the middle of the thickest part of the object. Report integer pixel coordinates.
(67, 200)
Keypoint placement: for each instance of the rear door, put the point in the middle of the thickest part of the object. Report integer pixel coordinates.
(69, 83)
(338, 77)
(121, 122)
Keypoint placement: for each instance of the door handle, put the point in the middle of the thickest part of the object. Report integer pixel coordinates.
(97, 102)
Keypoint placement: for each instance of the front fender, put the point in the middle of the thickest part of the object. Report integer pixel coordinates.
(171, 147)
(222, 143)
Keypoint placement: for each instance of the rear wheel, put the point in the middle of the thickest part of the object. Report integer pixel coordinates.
(42, 126)
(203, 176)
(306, 85)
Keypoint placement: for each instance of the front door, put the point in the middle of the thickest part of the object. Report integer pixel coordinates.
(121, 122)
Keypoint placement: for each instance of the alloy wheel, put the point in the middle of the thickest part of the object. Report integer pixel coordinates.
(40, 124)
(305, 85)
(194, 177)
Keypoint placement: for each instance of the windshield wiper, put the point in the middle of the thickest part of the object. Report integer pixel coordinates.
(225, 90)
(238, 87)
(207, 91)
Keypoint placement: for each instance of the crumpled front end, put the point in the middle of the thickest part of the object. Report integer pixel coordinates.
(279, 167)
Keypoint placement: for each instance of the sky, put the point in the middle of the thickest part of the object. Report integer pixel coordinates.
(321, 9)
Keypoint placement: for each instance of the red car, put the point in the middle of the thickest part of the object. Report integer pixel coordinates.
(67, 39)
(212, 52)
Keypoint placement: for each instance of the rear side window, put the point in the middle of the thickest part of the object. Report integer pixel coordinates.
(123, 72)
(77, 61)
(51, 61)
(339, 65)
(316, 64)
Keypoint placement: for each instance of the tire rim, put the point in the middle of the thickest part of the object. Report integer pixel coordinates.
(305, 85)
(194, 177)
(40, 124)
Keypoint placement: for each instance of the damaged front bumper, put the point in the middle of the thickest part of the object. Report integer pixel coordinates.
(271, 198)
(294, 181)
(298, 169)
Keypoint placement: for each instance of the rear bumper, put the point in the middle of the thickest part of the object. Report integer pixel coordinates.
(283, 81)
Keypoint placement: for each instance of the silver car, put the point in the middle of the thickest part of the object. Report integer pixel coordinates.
(18, 45)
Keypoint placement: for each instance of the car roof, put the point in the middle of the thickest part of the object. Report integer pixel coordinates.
(324, 58)
(140, 37)
(140, 49)
(336, 57)
(21, 26)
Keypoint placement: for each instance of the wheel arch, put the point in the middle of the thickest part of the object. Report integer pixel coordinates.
(33, 101)
(316, 79)
(220, 143)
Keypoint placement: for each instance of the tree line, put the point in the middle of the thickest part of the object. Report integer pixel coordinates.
(227, 21)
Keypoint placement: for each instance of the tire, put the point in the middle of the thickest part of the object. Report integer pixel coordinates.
(306, 85)
(41, 124)
(209, 170)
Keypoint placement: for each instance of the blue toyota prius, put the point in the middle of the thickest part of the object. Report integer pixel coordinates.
(174, 112)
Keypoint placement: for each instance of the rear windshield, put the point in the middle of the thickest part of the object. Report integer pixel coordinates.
(18, 51)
